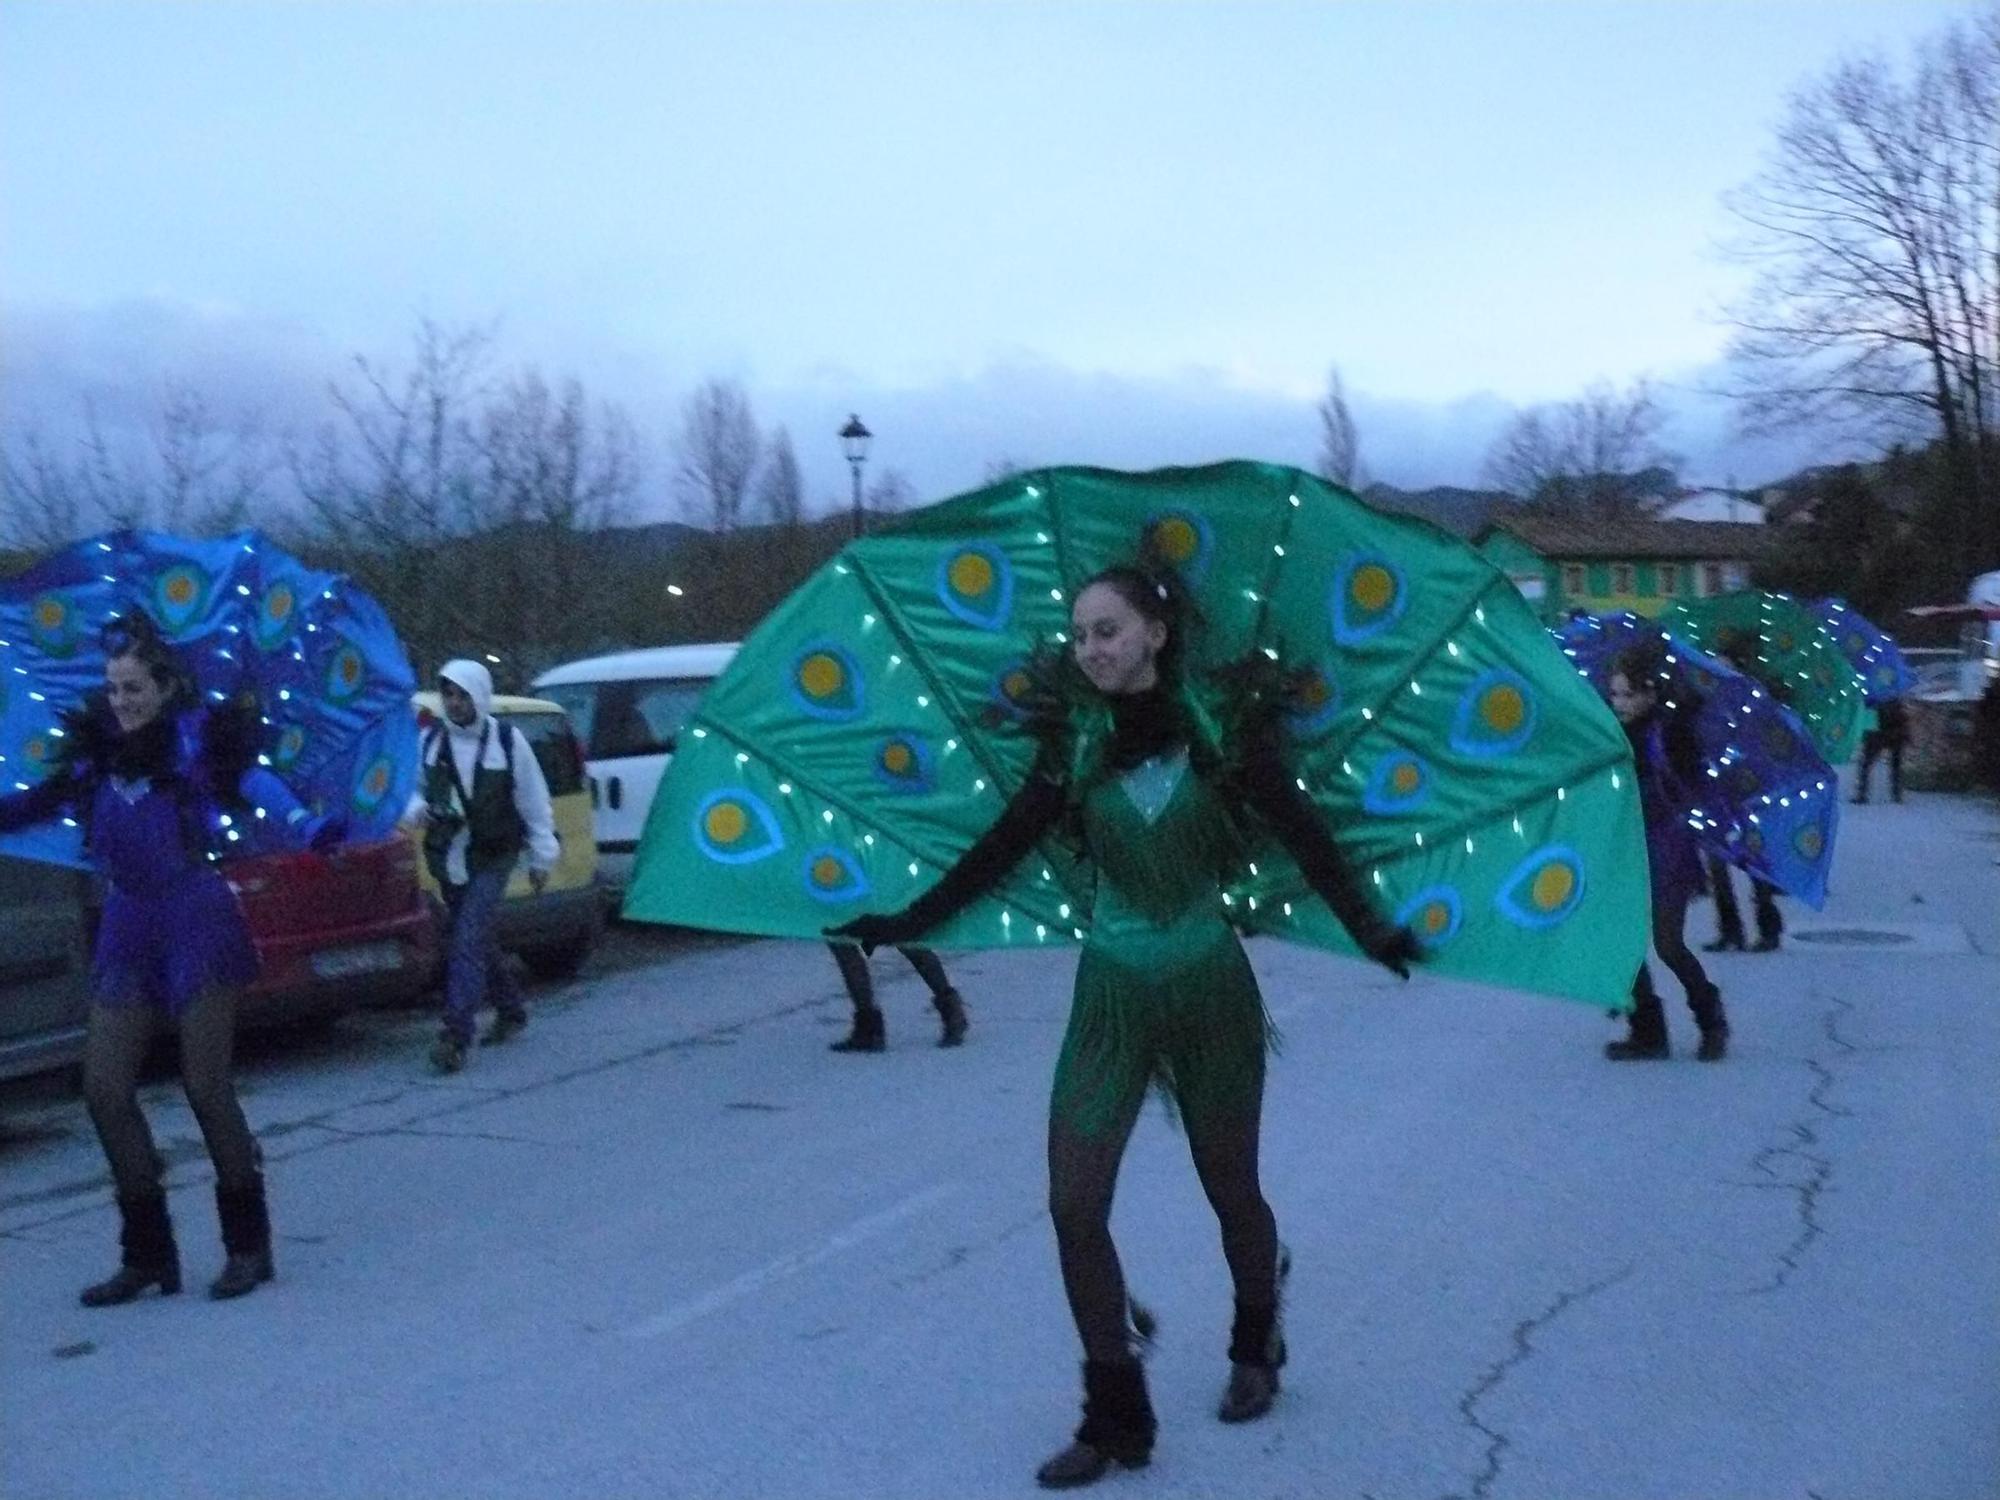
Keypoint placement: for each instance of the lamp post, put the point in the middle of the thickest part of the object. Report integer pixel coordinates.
(854, 443)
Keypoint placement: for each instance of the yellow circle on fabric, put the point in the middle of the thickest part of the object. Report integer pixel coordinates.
(1373, 587)
(897, 758)
(279, 604)
(726, 822)
(1176, 539)
(1809, 842)
(971, 574)
(1406, 778)
(820, 675)
(49, 614)
(1503, 708)
(827, 872)
(180, 589)
(1015, 684)
(1553, 884)
(1437, 917)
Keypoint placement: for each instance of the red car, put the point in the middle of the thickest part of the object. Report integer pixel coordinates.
(334, 929)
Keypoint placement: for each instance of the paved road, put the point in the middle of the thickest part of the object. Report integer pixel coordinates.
(666, 1245)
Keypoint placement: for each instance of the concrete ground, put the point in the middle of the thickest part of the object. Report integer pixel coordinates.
(664, 1244)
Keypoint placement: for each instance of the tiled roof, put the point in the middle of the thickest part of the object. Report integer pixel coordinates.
(1562, 537)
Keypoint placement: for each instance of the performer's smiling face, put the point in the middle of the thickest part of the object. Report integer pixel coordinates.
(458, 705)
(136, 694)
(1117, 646)
(1630, 701)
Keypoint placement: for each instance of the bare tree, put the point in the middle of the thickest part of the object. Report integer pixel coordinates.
(212, 477)
(1339, 447)
(781, 492)
(399, 474)
(891, 493)
(41, 504)
(542, 586)
(717, 454)
(1587, 457)
(1875, 228)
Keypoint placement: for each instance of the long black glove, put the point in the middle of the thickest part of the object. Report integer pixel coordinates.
(1018, 829)
(1269, 788)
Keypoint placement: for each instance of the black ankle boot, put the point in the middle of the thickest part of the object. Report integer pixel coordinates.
(1256, 1354)
(1727, 942)
(149, 1258)
(1714, 1023)
(246, 1237)
(951, 1012)
(1118, 1427)
(1647, 1038)
(868, 1035)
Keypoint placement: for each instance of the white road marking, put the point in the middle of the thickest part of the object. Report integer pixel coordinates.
(789, 1265)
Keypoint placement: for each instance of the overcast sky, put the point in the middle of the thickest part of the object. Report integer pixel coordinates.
(1133, 233)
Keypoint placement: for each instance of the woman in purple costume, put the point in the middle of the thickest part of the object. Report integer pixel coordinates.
(1669, 765)
(156, 785)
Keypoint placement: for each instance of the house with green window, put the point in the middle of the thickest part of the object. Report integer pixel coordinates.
(1562, 563)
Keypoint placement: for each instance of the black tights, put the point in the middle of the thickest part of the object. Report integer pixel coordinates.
(116, 1049)
(1083, 1175)
(861, 985)
(1670, 942)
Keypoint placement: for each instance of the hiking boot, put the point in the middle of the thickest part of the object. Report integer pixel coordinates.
(448, 1056)
(1728, 942)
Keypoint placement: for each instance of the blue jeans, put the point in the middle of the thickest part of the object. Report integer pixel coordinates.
(475, 965)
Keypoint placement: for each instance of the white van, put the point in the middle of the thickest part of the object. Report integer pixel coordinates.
(628, 709)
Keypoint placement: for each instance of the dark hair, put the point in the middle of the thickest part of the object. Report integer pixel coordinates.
(1643, 664)
(1157, 593)
(135, 635)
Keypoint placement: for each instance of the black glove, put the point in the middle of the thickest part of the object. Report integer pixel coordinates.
(1395, 949)
(870, 932)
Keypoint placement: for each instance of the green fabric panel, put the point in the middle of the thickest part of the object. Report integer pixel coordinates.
(1795, 648)
(928, 616)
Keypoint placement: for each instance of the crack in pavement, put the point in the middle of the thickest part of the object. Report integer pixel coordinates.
(1497, 1442)
(466, 1098)
(1801, 1148)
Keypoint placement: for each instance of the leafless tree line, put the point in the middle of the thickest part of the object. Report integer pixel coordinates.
(1874, 228)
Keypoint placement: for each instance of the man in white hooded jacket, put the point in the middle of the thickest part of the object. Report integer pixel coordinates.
(482, 801)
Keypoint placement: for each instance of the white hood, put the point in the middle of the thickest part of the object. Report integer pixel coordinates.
(478, 684)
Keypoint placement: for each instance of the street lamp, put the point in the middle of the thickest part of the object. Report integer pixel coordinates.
(854, 443)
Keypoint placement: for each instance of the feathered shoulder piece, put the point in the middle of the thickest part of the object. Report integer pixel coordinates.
(90, 738)
(229, 737)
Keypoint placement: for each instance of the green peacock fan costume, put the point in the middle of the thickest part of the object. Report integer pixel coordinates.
(879, 721)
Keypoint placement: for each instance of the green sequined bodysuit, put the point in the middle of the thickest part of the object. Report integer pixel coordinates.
(1164, 990)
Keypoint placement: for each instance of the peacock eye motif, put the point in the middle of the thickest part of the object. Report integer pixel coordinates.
(735, 827)
(1544, 888)
(832, 875)
(976, 584)
(827, 684)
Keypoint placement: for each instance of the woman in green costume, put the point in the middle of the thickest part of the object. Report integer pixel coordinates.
(1154, 773)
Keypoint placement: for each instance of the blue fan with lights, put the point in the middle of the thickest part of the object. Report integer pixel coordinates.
(1873, 653)
(330, 680)
(1770, 804)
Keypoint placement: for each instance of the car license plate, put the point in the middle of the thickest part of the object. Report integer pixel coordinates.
(362, 958)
